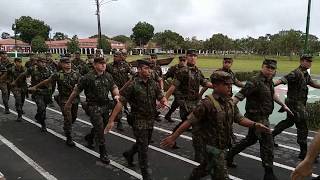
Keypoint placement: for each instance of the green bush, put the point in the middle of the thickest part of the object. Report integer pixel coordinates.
(313, 120)
(244, 76)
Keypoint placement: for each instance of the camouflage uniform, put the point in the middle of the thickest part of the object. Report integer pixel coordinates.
(212, 120)
(66, 82)
(171, 73)
(53, 67)
(43, 95)
(19, 91)
(297, 95)
(234, 78)
(259, 92)
(80, 66)
(187, 83)
(142, 98)
(96, 89)
(5, 64)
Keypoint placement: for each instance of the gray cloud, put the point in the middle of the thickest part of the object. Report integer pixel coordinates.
(200, 18)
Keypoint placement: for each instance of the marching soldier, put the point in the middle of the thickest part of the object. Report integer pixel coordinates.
(5, 64)
(120, 71)
(90, 61)
(186, 84)
(171, 73)
(259, 91)
(213, 118)
(297, 96)
(96, 86)
(42, 96)
(79, 65)
(66, 80)
(142, 94)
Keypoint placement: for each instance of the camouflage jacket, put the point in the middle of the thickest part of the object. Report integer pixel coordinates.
(4, 66)
(39, 74)
(80, 66)
(212, 121)
(235, 80)
(142, 97)
(259, 92)
(172, 71)
(120, 72)
(66, 82)
(13, 73)
(298, 81)
(187, 82)
(97, 87)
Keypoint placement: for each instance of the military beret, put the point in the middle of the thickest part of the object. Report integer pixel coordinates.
(65, 60)
(191, 52)
(153, 55)
(3, 52)
(143, 62)
(67, 55)
(182, 58)
(99, 60)
(221, 76)
(270, 62)
(306, 57)
(17, 59)
(124, 51)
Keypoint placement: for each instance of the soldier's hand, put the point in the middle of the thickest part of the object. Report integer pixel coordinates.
(303, 169)
(109, 127)
(167, 142)
(262, 128)
(32, 89)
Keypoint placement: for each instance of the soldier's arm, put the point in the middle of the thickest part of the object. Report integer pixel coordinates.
(304, 168)
(170, 91)
(284, 80)
(45, 82)
(4, 76)
(248, 89)
(314, 84)
(113, 116)
(238, 83)
(20, 77)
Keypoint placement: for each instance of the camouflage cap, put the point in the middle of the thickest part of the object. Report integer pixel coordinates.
(144, 62)
(182, 58)
(270, 62)
(306, 57)
(48, 54)
(90, 55)
(17, 59)
(124, 52)
(77, 52)
(41, 59)
(153, 55)
(117, 53)
(228, 59)
(221, 76)
(67, 55)
(65, 60)
(99, 60)
(191, 52)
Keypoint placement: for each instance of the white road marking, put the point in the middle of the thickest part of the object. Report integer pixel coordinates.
(27, 159)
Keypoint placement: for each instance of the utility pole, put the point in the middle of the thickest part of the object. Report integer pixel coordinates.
(99, 25)
(306, 49)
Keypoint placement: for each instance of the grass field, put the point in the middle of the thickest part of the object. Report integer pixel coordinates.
(241, 62)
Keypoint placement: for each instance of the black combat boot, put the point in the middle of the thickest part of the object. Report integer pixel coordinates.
(7, 111)
(268, 174)
(103, 155)
(303, 151)
(129, 157)
(229, 160)
(19, 119)
(69, 141)
(89, 138)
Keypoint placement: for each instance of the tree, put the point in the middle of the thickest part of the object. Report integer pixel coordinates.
(5, 35)
(142, 33)
(38, 44)
(96, 36)
(29, 28)
(59, 36)
(168, 40)
(219, 42)
(105, 45)
(121, 38)
(73, 44)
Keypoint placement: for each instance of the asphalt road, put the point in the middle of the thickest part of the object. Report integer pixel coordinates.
(27, 153)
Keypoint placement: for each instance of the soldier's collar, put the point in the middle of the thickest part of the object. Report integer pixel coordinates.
(220, 98)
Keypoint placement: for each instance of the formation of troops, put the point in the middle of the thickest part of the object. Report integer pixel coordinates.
(115, 89)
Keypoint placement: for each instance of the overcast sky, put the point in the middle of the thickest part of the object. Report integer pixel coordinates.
(200, 18)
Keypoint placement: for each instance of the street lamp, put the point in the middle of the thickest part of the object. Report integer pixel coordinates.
(99, 4)
(306, 49)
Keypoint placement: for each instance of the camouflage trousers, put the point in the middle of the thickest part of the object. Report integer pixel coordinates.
(5, 93)
(186, 108)
(69, 117)
(41, 102)
(211, 162)
(173, 107)
(143, 137)
(299, 119)
(99, 116)
(265, 141)
(19, 95)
